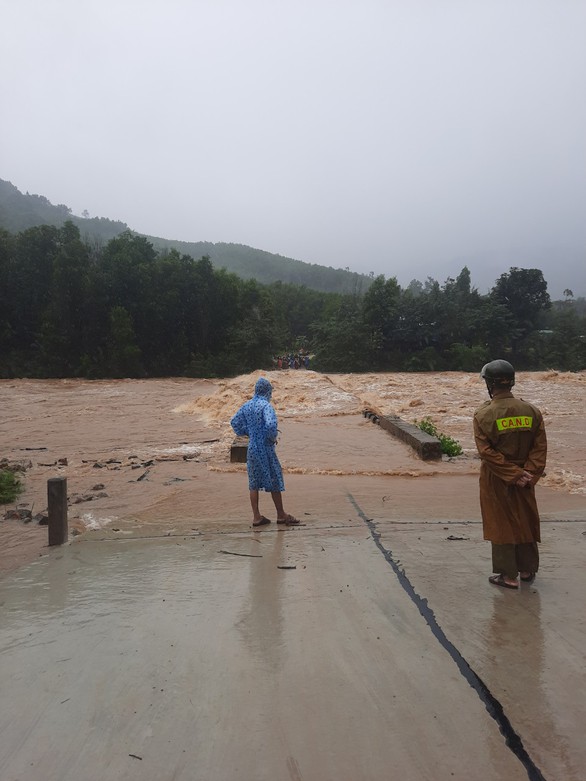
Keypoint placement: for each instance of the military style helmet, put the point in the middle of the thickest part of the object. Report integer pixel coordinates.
(499, 373)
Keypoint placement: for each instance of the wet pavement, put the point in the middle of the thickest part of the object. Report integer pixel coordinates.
(371, 650)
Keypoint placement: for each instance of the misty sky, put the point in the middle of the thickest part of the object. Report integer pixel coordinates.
(404, 137)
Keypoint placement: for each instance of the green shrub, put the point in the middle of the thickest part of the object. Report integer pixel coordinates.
(449, 446)
(10, 487)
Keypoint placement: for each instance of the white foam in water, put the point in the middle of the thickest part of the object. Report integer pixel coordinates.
(184, 450)
(90, 521)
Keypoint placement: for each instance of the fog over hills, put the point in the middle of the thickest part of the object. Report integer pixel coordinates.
(408, 139)
(564, 267)
(19, 211)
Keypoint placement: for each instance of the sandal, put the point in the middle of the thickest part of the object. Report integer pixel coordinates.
(262, 522)
(499, 580)
(528, 579)
(290, 520)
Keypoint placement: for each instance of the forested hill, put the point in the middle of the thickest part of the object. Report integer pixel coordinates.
(250, 263)
(19, 211)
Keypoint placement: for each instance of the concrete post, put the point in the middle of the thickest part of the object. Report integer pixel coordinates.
(57, 504)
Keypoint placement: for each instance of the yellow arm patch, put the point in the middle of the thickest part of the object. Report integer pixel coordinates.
(517, 422)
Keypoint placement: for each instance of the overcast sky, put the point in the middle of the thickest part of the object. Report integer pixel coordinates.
(404, 137)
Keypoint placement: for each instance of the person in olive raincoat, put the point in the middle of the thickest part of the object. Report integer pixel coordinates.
(258, 420)
(510, 437)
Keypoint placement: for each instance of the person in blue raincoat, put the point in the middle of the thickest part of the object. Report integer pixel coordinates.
(258, 420)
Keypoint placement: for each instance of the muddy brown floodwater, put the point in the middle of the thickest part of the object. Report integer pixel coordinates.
(170, 640)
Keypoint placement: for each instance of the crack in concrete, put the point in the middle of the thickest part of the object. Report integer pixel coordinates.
(493, 706)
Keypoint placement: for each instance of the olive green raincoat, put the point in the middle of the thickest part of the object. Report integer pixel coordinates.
(510, 437)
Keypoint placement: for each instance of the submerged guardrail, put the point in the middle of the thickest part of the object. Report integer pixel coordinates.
(427, 447)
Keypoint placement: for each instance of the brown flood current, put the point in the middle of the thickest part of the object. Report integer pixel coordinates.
(168, 641)
(160, 448)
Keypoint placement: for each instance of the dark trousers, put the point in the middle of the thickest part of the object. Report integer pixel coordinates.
(509, 560)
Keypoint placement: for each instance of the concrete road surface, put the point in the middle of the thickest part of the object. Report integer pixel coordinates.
(365, 651)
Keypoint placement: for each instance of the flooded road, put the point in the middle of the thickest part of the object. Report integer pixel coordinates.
(153, 455)
(170, 640)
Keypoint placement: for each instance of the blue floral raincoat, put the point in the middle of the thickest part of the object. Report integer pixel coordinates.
(257, 420)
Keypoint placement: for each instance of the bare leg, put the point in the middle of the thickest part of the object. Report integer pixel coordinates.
(282, 516)
(254, 504)
(278, 501)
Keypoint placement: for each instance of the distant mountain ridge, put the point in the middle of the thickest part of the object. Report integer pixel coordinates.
(563, 267)
(19, 211)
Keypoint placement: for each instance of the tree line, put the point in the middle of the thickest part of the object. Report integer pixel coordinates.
(123, 309)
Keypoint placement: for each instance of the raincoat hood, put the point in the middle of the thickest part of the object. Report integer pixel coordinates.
(263, 388)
